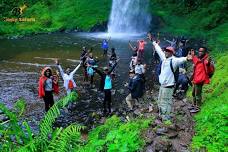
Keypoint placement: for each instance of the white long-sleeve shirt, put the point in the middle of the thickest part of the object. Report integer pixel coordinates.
(67, 78)
(166, 77)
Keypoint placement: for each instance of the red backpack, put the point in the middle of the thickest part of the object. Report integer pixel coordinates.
(210, 69)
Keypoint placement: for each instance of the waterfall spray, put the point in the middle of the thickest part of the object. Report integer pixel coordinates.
(129, 16)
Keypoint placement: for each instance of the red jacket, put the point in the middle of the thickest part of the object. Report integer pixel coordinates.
(43, 78)
(200, 75)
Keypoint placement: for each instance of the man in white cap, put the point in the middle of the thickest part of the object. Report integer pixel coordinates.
(167, 78)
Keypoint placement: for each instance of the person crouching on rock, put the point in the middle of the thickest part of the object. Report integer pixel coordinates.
(69, 82)
(47, 85)
(135, 87)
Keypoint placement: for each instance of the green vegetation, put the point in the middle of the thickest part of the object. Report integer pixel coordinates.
(16, 136)
(52, 15)
(114, 135)
(197, 19)
(204, 20)
(211, 127)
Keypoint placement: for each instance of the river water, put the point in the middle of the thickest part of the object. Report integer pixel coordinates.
(22, 60)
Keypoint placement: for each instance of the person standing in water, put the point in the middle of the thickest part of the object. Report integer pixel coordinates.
(133, 48)
(68, 81)
(105, 46)
(141, 47)
(47, 85)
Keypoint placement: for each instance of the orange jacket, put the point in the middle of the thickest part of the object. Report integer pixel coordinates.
(141, 45)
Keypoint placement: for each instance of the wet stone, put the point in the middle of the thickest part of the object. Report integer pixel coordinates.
(161, 145)
(121, 91)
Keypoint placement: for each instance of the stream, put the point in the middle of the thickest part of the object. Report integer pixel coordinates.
(22, 60)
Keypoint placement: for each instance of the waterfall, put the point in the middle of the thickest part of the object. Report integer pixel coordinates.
(129, 16)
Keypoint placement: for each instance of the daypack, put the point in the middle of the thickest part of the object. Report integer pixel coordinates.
(210, 69)
(175, 73)
(90, 71)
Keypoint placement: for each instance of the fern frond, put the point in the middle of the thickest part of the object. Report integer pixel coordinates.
(53, 113)
(67, 140)
(41, 141)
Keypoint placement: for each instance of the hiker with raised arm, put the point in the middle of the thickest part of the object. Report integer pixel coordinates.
(141, 48)
(133, 48)
(167, 78)
(133, 61)
(140, 70)
(68, 80)
(48, 84)
(202, 72)
(105, 46)
(112, 61)
(83, 57)
(172, 43)
(106, 86)
(90, 62)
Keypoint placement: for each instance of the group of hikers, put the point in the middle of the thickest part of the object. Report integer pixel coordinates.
(171, 71)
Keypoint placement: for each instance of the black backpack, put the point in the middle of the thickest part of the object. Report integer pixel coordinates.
(175, 73)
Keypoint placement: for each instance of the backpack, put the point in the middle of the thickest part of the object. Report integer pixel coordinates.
(210, 69)
(90, 71)
(175, 73)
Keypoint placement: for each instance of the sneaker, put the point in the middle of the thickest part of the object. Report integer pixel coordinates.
(195, 110)
(161, 131)
(191, 107)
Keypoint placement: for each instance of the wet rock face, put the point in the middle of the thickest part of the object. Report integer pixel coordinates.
(99, 27)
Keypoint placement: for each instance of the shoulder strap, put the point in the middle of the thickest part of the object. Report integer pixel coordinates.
(171, 66)
(204, 66)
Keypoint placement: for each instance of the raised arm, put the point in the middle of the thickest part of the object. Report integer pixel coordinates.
(159, 51)
(181, 60)
(130, 45)
(110, 71)
(77, 67)
(61, 70)
(109, 39)
(98, 71)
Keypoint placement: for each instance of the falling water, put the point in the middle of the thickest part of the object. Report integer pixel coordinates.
(129, 16)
